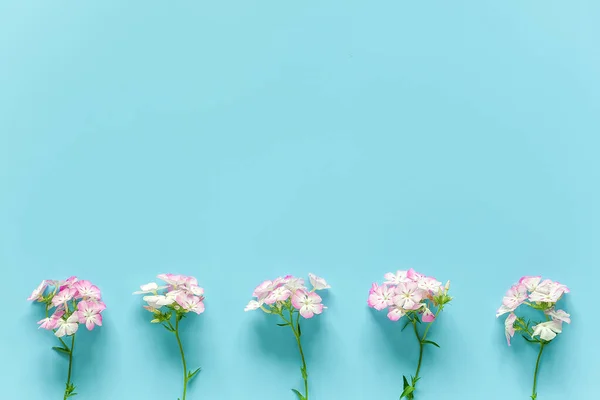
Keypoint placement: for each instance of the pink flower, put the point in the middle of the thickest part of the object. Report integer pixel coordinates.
(51, 322)
(395, 313)
(292, 283)
(428, 316)
(263, 290)
(395, 278)
(64, 296)
(87, 290)
(548, 292)
(380, 297)
(191, 303)
(38, 293)
(308, 303)
(174, 280)
(429, 284)
(559, 315)
(408, 296)
(67, 327)
(88, 313)
(414, 275)
(515, 296)
(68, 283)
(530, 282)
(509, 326)
(279, 294)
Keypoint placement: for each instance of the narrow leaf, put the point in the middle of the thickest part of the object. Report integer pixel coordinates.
(405, 382)
(407, 392)
(62, 350)
(299, 331)
(300, 397)
(431, 342)
(529, 340)
(405, 325)
(283, 324)
(193, 374)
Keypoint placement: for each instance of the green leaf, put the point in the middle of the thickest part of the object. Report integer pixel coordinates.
(431, 342)
(283, 324)
(405, 382)
(299, 331)
(405, 325)
(300, 397)
(167, 328)
(193, 374)
(63, 350)
(304, 373)
(407, 392)
(529, 340)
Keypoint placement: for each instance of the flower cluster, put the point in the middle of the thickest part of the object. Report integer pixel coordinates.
(414, 296)
(72, 302)
(273, 296)
(539, 295)
(408, 292)
(290, 299)
(69, 303)
(181, 294)
(178, 296)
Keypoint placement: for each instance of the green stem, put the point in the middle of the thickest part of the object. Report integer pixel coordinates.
(297, 334)
(185, 375)
(535, 374)
(67, 386)
(420, 349)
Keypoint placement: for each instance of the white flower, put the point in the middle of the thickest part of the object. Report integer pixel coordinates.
(318, 282)
(157, 301)
(67, 327)
(151, 287)
(253, 305)
(547, 330)
(559, 315)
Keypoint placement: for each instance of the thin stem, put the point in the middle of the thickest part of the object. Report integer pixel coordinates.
(535, 374)
(420, 349)
(68, 390)
(297, 334)
(185, 375)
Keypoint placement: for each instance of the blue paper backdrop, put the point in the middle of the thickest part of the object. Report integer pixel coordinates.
(237, 141)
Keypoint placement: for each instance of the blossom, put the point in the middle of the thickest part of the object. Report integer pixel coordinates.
(263, 290)
(509, 326)
(395, 278)
(64, 296)
(559, 315)
(530, 282)
(38, 292)
(157, 301)
(548, 292)
(408, 296)
(292, 283)
(279, 294)
(308, 303)
(87, 290)
(515, 296)
(395, 313)
(317, 282)
(51, 322)
(428, 316)
(253, 305)
(151, 287)
(88, 313)
(547, 330)
(380, 297)
(190, 303)
(67, 327)
(429, 284)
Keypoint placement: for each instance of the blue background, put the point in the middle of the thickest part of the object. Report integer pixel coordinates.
(238, 141)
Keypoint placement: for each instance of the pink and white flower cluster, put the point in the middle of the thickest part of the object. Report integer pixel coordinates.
(406, 292)
(540, 295)
(179, 293)
(68, 304)
(273, 296)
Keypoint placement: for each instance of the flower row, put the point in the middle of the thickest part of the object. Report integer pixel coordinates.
(416, 298)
